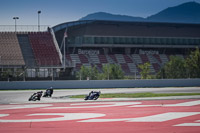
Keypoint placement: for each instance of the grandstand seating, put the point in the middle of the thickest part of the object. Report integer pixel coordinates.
(129, 63)
(157, 57)
(44, 49)
(132, 67)
(137, 58)
(164, 58)
(120, 58)
(94, 59)
(144, 58)
(156, 67)
(124, 60)
(74, 57)
(127, 58)
(114, 59)
(83, 58)
(125, 68)
(10, 52)
(102, 58)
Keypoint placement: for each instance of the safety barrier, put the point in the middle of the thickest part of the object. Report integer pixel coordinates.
(77, 84)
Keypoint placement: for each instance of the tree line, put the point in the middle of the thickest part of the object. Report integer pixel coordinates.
(109, 71)
(176, 68)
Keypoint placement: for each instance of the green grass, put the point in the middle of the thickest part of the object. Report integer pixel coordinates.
(138, 95)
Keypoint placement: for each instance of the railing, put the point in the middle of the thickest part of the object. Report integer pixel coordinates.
(22, 28)
(20, 62)
(56, 45)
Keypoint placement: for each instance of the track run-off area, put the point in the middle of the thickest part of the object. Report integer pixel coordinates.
(152, 116)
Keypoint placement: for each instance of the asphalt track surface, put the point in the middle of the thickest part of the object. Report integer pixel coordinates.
(63, 115)
(22, 96)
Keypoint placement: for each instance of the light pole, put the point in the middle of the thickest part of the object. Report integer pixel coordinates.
(39, 20)
(15, 18)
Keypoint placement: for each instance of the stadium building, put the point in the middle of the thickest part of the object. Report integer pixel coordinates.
(95, 43)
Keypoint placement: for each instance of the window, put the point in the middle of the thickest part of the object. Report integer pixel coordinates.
(140, 40)
(196, 41)
(122, 40)
(110, 40)
(134, 40)
(116, 40)
(77, 40)
(157, 40)
(152, 40)
(97, 40)
(128, 40)
(87, 40)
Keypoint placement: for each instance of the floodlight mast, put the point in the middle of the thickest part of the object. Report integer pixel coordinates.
(39, 12)
(15, 18)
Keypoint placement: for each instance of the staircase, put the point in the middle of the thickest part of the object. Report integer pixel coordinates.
(26, 50)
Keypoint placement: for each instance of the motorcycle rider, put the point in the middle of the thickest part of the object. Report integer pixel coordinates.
(36, 96)
(48, 92)
(90, 94)
(93, 95)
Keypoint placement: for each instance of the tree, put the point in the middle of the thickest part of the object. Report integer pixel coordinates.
(145, 70)
(112, 71)
(6, 74)
(192, 64)
(175, 68)
(106, 71)
(116, 72)
(83, 73)
(93, 73)
(88, 72)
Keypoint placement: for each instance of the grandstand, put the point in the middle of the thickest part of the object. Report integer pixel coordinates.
(95, 43)
(128, 44)
(33, 52)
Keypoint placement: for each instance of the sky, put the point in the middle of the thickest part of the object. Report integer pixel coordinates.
(55, 12)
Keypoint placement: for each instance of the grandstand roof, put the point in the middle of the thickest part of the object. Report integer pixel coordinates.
(119, 28)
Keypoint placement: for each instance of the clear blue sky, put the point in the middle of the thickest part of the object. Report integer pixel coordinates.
(58, 11)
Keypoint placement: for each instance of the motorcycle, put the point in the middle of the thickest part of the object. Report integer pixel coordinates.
(48, 93)
(36, 96)
(93, 95)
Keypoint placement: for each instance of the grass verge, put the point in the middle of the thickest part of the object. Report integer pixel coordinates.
(138, 95)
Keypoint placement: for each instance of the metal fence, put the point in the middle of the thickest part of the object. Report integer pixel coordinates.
(23, 28)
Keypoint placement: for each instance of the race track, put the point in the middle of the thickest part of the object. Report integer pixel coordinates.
(155, 116)
(63, 115)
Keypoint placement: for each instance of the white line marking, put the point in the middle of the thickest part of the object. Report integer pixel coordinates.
(153, 118)
(163, 117)
(188, 125)
(3, 115)
(4, 107)
(97, 105)
(59, 117)
(191, 103)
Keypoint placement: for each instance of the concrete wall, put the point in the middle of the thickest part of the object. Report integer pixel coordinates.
(73, 84)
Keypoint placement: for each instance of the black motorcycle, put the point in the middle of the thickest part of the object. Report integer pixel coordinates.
(48, 93)
(36, 96)
(93, 95)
